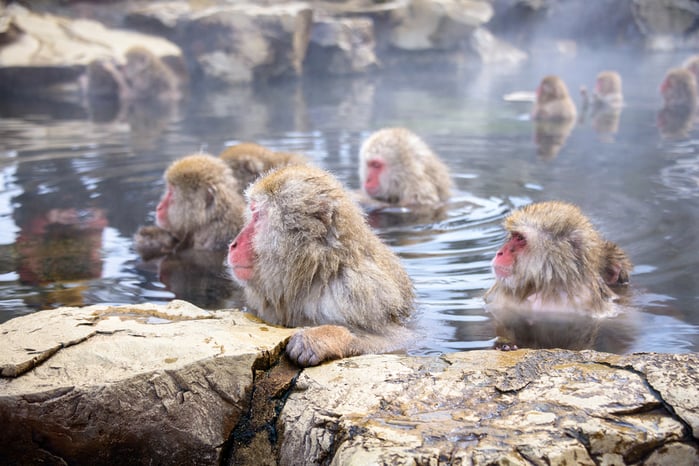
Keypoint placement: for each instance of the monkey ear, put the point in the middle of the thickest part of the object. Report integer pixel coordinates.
(210, 195)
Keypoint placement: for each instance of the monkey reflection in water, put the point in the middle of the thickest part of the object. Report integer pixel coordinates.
(558, 282)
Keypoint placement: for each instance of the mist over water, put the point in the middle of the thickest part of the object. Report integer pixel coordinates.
(74, 188)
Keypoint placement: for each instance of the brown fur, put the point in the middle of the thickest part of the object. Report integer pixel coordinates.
(679, 89)
(565, 263)
(416, 176)
(319, 264)
(249, 160)
(553, 101)
(692, 65)
(206, 212)
(608, 91)
(148, 77)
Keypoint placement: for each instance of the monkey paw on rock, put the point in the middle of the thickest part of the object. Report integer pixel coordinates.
(311, 346)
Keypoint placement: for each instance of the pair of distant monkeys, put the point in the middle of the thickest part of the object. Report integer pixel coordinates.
(306, 256)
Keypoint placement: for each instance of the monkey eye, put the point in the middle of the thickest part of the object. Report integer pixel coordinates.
(375, 164)
(519, 237)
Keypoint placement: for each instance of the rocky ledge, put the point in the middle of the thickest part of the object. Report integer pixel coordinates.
(175, 384)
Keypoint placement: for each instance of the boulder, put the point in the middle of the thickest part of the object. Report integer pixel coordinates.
(243, 42)
(437, 24)
(175, 384)
(488, 407)
(154, 384)
(44, 50)
(667, 24)
(342, 46)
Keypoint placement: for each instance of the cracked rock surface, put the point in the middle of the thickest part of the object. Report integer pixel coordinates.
(489, 407)
(131, 384)
(174, 384)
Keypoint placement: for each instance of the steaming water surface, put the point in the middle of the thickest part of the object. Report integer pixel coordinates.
(76, 184)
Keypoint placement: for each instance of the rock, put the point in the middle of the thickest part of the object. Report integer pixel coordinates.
(158, 384)
(237, 44)
(437, 24)
(492, 50)
(342, 46)
(667, 24)
(46, 50)
(488, 407)
(178, 385)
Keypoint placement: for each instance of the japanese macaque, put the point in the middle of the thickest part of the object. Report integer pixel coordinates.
(307, 258)
(679, 89)
(679, 92)
(553, 101)
(605, 106)
(249, 160)
(607, 94)
(396, 167)
(692, 65)
(555, 260)
(201, 208)
(148, 77)
(143, 76)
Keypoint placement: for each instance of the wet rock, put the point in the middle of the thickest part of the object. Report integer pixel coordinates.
(492, 50)
(487, 407)
(240, 43)
(157, 384)
(668, 24)
(436, 24)
(342, 46)
(44, 50)
(178, 385)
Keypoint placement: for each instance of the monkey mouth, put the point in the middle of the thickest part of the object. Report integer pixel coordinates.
(502, 272)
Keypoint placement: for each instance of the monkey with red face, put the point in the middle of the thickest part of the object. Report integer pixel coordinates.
(396, 167)
(201, 209)
(555, 260)
(307, 258)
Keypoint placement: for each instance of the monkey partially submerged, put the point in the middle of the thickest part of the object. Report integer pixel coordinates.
(201, 208)
(307, 258)
(555, 260)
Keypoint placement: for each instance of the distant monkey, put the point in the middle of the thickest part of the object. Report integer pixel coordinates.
(307, 258)
(397, 167)
(201, 208)
(555, 260)
(679, 89)
(553, 101)
(608, 93)
(249, 160)
(692, 65)
(148, 77)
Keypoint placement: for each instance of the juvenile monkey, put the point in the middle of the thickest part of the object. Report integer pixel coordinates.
(397, 167)
(607, 94)
(553, 101)
(555, 260)
(201, 208)
(307, 258)
(249, 160)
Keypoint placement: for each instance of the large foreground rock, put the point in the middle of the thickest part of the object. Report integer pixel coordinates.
(178, 385)
(128, 385)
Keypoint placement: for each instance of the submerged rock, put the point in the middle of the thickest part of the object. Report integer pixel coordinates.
(175, 384)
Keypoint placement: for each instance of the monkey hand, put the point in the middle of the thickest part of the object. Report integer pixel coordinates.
(314, 345)
(152, 241)
(504, 344)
